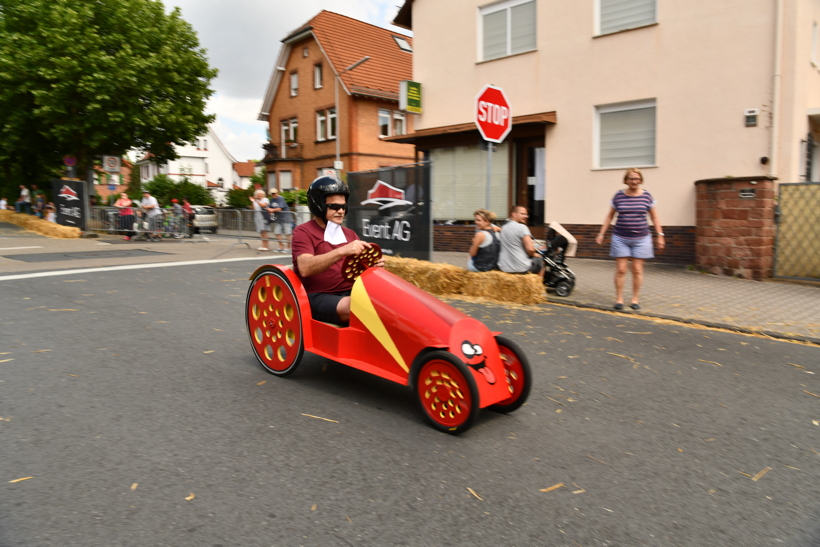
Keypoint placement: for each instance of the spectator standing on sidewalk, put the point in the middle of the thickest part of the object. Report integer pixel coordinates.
(24, 201)
(151, 206)
(282, 221)
(39, 203)
(631, 238)
(260, 207)
(518, 253)
(125, 207)
(188, 213)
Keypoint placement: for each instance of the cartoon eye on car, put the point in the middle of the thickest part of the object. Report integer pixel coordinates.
(397, 331)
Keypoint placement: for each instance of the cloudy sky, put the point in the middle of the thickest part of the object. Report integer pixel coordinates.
(243, 40)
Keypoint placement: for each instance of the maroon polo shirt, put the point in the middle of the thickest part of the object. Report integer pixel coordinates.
(309, 238)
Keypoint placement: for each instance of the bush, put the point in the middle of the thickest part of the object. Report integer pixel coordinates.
(238, 198)
(165, 189)
(295, 197)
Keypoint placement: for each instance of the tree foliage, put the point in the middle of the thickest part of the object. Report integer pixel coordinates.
(93, 77)
(238, 198)
(165, 189)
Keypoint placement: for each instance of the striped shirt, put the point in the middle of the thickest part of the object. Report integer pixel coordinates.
(632, 210)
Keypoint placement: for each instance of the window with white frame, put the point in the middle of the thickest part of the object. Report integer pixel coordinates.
(326, 124)
(272, 179)
(625, 135)
(294, 84)
(290, 130)
(507, 28)
(204, 144)
(399, 123)
(384, 123)
(618, 15)
(321, 125)
(285, 180)
(317, 76)
(331, 123)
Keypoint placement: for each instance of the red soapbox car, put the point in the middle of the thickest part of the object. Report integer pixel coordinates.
(454, 364)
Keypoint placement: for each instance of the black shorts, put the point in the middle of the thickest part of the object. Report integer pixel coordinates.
(536, 263)
(323, 306)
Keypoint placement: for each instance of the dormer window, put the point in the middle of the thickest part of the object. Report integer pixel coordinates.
(403, 44)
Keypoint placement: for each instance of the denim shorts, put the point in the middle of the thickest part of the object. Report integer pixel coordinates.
(641, 247)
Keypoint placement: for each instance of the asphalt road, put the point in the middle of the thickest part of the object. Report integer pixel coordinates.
(133, 401)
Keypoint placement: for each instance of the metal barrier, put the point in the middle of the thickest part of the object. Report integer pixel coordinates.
(228, 223)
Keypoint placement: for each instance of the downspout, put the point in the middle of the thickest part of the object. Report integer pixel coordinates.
(776, 78)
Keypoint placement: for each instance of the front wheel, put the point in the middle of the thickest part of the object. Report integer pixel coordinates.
(519, 376)
(274, 322)
(446, 392)
(563, 288)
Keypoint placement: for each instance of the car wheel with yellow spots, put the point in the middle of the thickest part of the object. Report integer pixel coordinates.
(446, 391)
(517, 372)
(274, 322)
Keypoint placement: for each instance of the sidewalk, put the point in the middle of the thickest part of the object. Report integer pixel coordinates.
(671, 291)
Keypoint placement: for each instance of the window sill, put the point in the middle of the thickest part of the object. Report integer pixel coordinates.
(625, 30)
(331, 139)
(507, 56)
(654, 166)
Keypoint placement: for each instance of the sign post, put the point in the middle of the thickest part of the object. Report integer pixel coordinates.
(493, 117)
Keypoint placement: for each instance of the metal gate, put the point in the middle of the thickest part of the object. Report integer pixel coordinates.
(797, 247)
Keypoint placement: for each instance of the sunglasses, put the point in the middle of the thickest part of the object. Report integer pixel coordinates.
(337, 206)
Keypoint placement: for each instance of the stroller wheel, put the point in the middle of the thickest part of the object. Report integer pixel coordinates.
(563, 288)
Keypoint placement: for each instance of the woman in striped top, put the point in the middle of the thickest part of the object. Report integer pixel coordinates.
(631, 238)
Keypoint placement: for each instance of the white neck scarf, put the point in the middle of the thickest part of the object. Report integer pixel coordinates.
(334, 234)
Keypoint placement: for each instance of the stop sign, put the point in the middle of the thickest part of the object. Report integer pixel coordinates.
(493, 114)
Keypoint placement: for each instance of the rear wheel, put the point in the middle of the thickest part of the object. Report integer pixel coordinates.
(519, 377)
(447, 392)
(274, 322)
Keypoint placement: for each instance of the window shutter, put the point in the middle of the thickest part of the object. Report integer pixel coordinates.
(459, 184)
(522, 28)
(628, 138)
(495, 35)
(624, 14)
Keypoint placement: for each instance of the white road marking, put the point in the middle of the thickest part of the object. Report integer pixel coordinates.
(15, 248)
(132, 267)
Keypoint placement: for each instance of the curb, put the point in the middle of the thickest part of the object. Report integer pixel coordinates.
(689, 321)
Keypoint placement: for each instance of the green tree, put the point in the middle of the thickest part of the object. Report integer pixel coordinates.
(164, 188)
(238, 198)
(93, 77)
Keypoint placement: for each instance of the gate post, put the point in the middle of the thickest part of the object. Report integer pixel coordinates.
(735, 226)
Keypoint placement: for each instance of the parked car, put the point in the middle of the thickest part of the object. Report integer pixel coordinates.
(204, 219)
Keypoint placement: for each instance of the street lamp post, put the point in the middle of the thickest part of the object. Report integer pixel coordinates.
(338, 113)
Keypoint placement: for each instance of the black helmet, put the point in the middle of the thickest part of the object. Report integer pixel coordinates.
(319, 189)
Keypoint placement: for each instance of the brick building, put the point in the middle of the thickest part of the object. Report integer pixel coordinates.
(309, 127)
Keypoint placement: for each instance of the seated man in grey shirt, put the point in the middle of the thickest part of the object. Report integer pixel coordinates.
(517, 253)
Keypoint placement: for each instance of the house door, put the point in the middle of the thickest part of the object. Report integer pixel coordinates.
(530, 184)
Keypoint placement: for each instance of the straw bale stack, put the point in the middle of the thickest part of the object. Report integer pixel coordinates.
(42, 227)
(449, 280)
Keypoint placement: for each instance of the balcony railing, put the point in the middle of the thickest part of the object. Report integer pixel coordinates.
(283, 151)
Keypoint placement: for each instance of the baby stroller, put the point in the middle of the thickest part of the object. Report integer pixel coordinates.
(558, 244)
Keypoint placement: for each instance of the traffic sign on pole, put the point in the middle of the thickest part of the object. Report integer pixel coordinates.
(493, 114)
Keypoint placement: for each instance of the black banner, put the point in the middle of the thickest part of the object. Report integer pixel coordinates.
(69, 199)
(391, 207)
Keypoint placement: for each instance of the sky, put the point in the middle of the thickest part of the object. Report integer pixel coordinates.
(242, 39)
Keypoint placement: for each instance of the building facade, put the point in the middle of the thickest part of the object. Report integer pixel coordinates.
(334, 93)
(206, 162)
(684, 90)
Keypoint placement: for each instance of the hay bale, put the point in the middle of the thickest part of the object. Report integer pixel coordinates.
(448, 280)
(38, 225)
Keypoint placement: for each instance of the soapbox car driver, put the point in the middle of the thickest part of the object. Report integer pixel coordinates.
(320, 247)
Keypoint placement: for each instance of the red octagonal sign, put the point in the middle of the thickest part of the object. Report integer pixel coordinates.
(493, 114)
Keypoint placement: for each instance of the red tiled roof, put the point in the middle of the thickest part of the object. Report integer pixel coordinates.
(346, 40)
(245, 168)
(213, 185)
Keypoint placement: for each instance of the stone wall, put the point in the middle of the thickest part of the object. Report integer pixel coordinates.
(736, 226)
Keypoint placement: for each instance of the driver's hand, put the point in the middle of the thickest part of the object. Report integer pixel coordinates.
(355, 247)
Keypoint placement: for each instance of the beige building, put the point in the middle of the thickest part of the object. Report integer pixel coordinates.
(684, 90)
